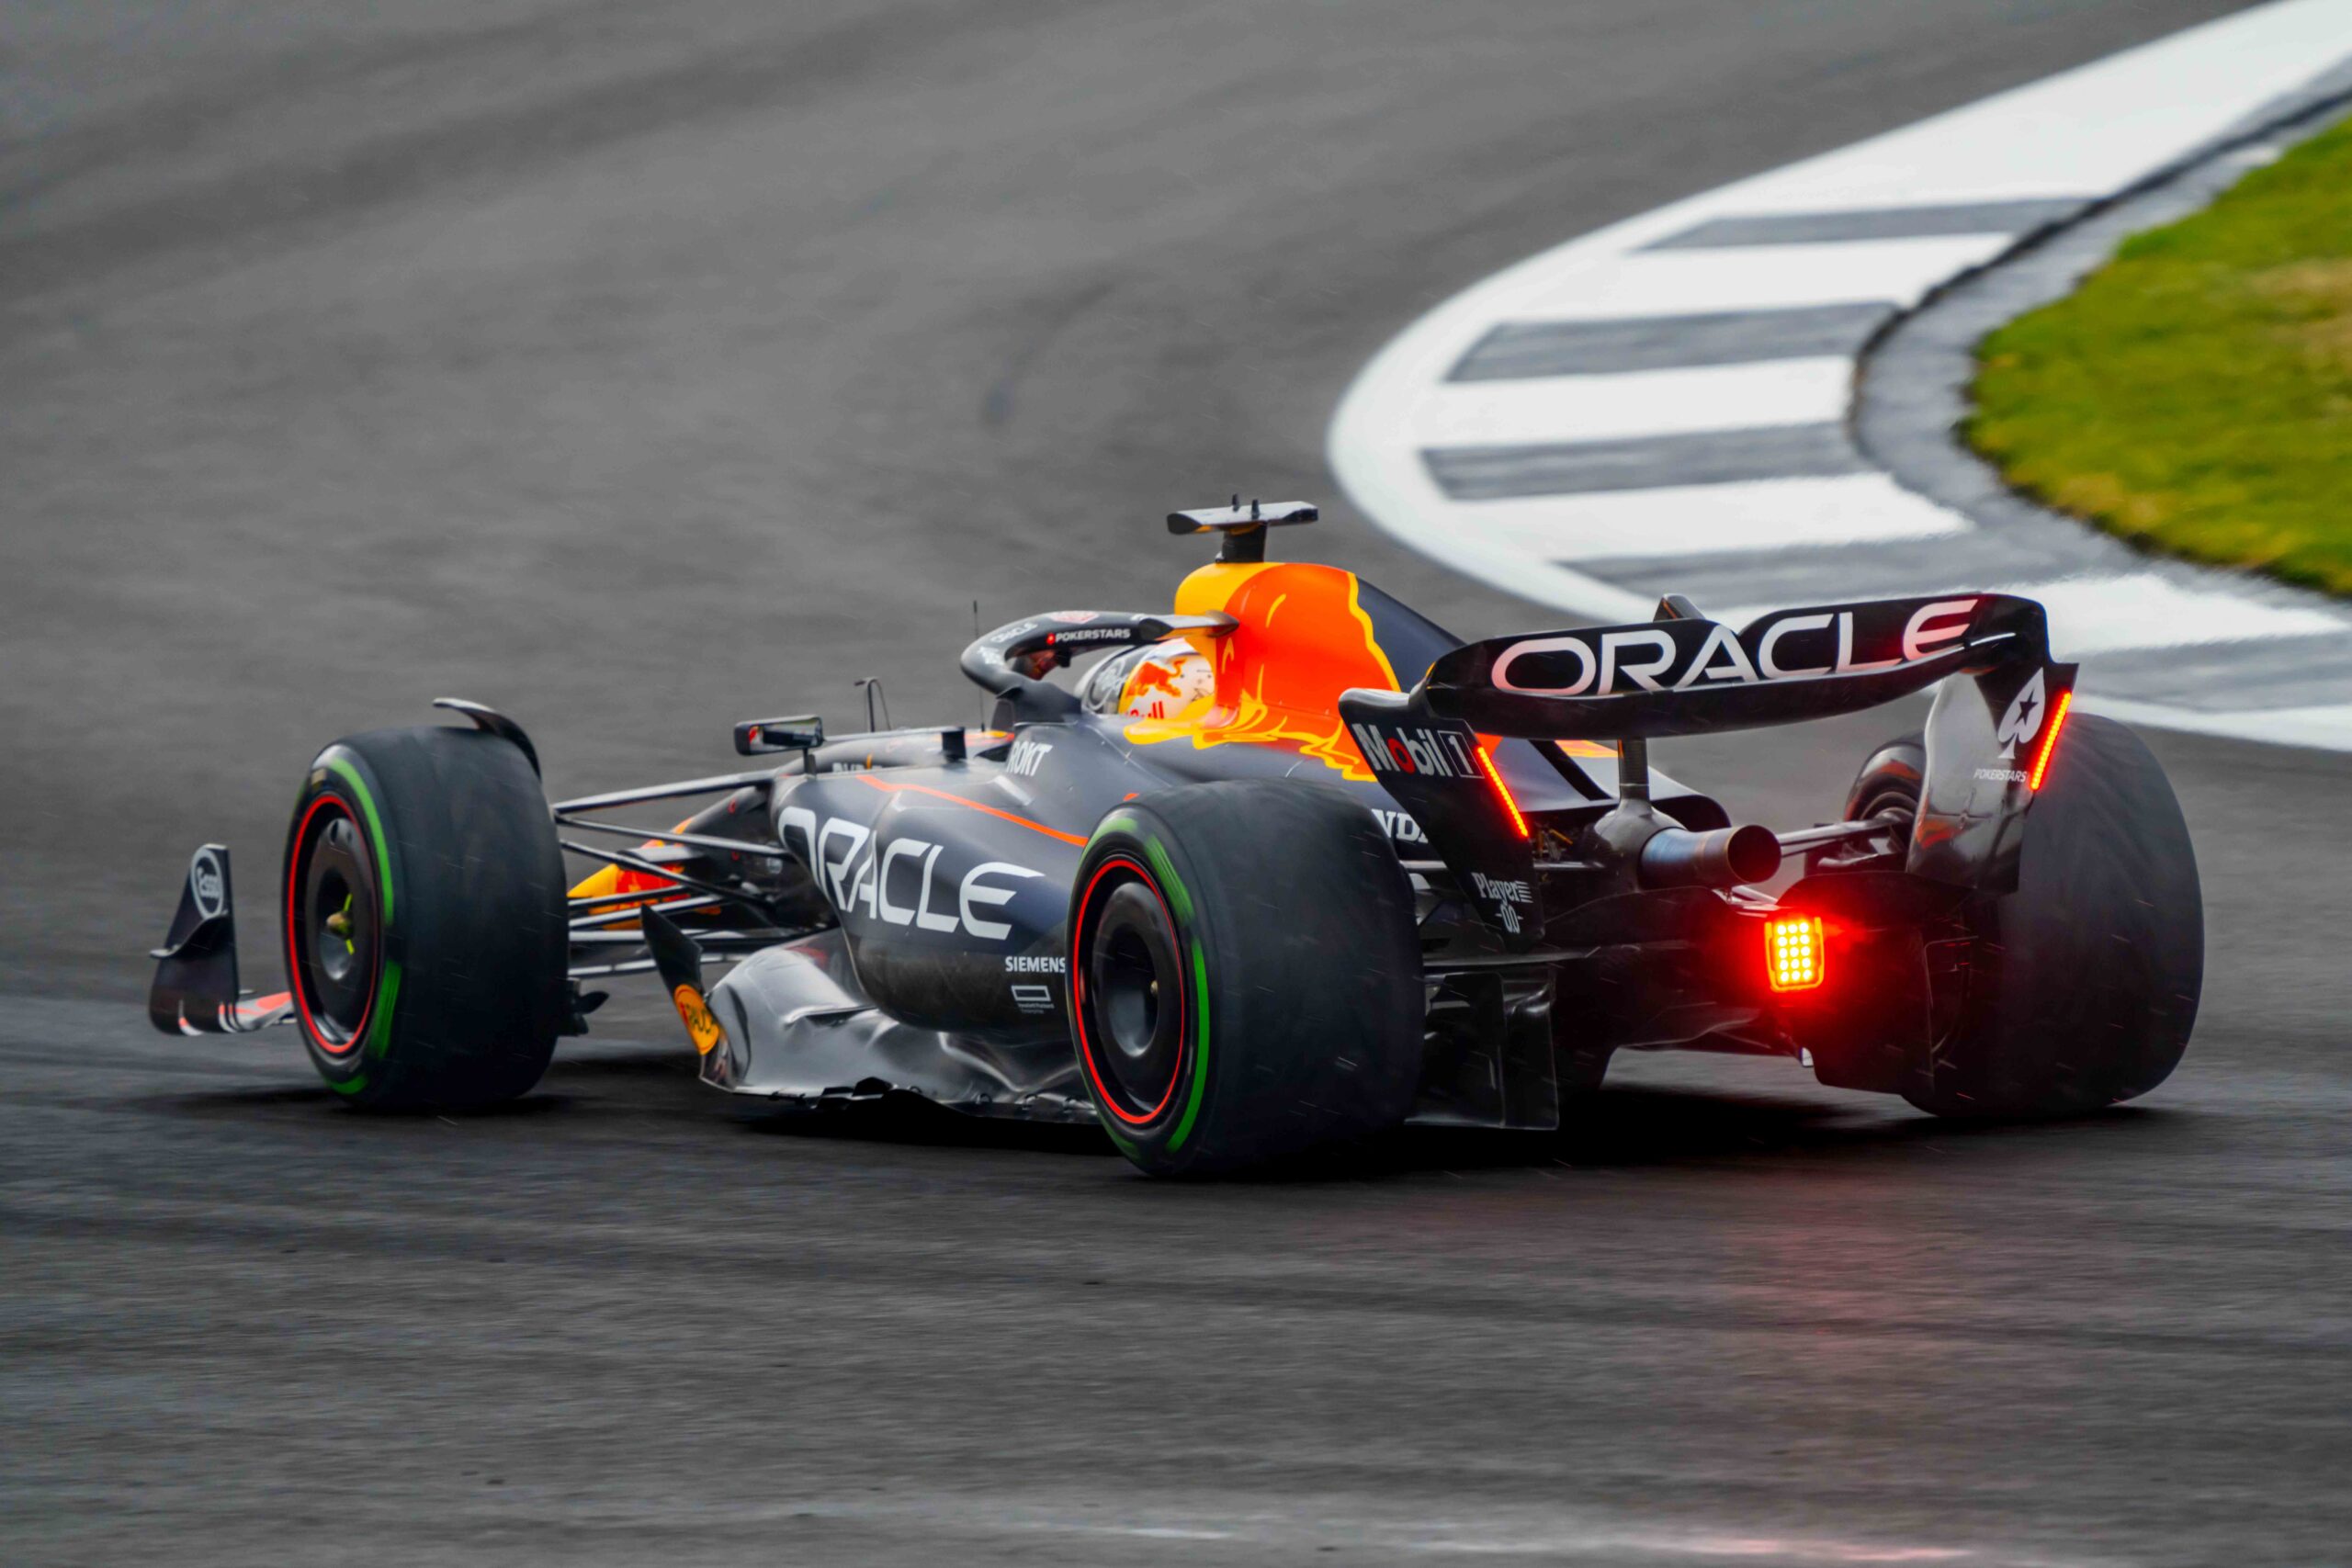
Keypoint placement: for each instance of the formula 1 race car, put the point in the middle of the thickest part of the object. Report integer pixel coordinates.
(1284, 866)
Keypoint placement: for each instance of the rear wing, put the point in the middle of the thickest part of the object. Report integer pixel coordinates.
(1988, 736)
(1691, 676)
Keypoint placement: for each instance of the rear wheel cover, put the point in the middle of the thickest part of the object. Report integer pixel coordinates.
(1131, 1008)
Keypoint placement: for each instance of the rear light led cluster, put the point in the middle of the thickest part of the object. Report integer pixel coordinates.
(1502, 791)
(2049, 740)
(1793, 952)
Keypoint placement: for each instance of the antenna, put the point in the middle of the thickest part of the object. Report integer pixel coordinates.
(872, 686)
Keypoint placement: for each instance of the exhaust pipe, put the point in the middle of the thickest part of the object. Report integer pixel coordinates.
(1676, 857)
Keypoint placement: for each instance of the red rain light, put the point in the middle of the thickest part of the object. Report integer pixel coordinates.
(1502, 793)
(2049, 741)
(1794, 956)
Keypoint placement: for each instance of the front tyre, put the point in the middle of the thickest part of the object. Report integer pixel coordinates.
(1245, 976)
(2080, 988)
(425, 926)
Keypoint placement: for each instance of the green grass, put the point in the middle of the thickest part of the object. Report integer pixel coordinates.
(2195, 394)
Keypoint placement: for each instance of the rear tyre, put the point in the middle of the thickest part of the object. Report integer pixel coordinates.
(1245, 976)
(2080, 988)
(426, 939)
(1889, 781)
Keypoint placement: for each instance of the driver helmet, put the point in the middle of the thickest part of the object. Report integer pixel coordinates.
(1157, 681)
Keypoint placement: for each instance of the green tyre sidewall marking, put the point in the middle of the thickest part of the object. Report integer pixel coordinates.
(1118, 821)
(1180, 899)
(340, 764)
(1181, 896)
(1200, 1051)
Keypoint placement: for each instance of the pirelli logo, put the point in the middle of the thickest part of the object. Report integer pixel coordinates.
(1443, 749)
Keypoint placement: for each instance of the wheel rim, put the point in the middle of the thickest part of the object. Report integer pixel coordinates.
(333, 927)
(1128, 979)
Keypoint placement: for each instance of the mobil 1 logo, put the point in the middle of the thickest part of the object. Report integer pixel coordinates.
(1427, 748)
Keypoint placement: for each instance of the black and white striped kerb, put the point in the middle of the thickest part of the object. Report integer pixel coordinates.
(1525, 350)
(1646, 462)
(1705, 400)
(1927, 221)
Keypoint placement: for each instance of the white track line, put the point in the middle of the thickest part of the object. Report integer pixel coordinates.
(2082, 135)
(2103, 615)
(2326, 728)
(2092, 130)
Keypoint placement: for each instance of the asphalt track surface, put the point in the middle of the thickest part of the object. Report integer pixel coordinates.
(638, 369)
